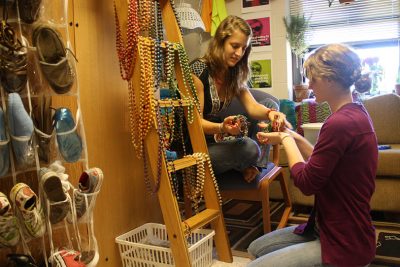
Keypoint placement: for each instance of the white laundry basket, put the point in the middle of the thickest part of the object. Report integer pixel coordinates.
(148, 246)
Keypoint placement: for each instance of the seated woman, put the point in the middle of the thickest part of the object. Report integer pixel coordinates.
(220, 76)
(339, 171)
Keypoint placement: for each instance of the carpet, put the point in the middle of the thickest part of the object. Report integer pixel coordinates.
(243, 221)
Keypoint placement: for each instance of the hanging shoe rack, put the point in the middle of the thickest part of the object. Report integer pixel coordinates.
(40, 94)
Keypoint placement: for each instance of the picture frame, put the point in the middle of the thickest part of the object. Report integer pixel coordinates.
(261, 27)
(255, 5)
(261, 72)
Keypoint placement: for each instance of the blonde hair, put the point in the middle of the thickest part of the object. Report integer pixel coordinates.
(238, 75)
(337, 62)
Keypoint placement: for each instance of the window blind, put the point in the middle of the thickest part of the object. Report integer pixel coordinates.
(360, 21)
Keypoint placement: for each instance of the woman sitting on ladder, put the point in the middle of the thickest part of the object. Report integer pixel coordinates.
(219, 76)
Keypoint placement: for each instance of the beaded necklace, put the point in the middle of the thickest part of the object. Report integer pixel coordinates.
(126, 53)
(194, 179)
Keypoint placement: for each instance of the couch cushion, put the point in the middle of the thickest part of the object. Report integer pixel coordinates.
(385, 114)
(389, 161)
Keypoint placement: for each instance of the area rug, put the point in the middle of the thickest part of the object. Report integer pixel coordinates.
(388, 245)
(243, 221)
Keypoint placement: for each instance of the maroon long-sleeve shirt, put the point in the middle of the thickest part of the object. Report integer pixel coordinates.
(341, 174)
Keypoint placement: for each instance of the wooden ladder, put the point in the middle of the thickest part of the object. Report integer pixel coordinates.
(212, 214)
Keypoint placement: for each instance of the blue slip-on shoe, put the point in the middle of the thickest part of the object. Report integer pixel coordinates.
(68, 141)
(21, 130)
(4, 150)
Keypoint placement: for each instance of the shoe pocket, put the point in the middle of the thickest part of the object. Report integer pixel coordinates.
(23, 149)
(4, 157)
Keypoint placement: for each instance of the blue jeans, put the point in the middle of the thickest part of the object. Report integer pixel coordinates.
(237, 154)
(285, 248)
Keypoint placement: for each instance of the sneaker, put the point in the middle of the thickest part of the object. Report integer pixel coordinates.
(54, 192)
(29, 10)
(68, 141)
(4, 150)
(21, 130)
(66, 258)
(9, 233)
(89, 183)
(53, 58)
(21, 260)
(30, 210)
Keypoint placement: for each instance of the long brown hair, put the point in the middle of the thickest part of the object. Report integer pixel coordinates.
(237, 76)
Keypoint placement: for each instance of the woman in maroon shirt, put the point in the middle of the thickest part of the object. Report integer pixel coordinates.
(339, 171)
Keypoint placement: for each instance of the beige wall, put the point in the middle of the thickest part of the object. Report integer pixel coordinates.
(280, 52)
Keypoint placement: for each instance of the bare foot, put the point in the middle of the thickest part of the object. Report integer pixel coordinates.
(250, 173)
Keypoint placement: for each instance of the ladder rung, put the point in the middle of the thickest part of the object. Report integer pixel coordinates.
(175, 103)
(200, 219)
(183, 163)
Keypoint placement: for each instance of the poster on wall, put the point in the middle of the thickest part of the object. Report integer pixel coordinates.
(255, 5)
(261, 74)
(261, 27)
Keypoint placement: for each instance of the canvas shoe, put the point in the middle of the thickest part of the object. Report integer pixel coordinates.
(29, 208)
(89, 183)
(9, 233)
(21, 130)
(66, 258)
(4, 150)
(54, 192)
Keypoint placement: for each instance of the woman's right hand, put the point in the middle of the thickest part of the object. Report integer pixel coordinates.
(231, 125)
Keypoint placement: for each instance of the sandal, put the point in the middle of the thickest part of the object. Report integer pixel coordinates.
(13, 58)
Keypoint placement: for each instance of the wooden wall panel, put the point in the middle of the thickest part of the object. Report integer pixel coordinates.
(123, 203)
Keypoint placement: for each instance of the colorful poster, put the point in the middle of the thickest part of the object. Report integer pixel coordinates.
(261, 31)
(261, 75)
(255, 5)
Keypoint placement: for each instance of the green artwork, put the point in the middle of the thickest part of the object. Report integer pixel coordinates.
(261, 73)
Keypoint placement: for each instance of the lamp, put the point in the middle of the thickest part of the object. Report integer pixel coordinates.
(188, 17)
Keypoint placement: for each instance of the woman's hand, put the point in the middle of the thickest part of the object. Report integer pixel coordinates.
(231, 125)
(279, 122)
(271, 138)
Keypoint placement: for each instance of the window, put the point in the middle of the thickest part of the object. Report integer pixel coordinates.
(372, 27)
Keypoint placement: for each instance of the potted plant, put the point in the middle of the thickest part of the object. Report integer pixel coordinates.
(296, 27)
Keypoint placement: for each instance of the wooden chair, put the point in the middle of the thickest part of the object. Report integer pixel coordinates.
(233, 186)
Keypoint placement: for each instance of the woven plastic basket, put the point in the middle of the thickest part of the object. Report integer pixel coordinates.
(148, 246)
(189, 18)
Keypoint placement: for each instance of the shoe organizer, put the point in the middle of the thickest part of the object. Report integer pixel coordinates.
(37, 75)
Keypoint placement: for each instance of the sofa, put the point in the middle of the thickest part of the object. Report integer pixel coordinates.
(385, 114)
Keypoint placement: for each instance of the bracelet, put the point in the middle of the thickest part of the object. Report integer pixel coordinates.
(221, 127)
(288, 135)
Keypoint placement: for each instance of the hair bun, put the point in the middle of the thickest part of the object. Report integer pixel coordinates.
(363, 84)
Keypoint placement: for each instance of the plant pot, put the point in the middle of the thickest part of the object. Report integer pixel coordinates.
(301, 92)
(397, 87)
